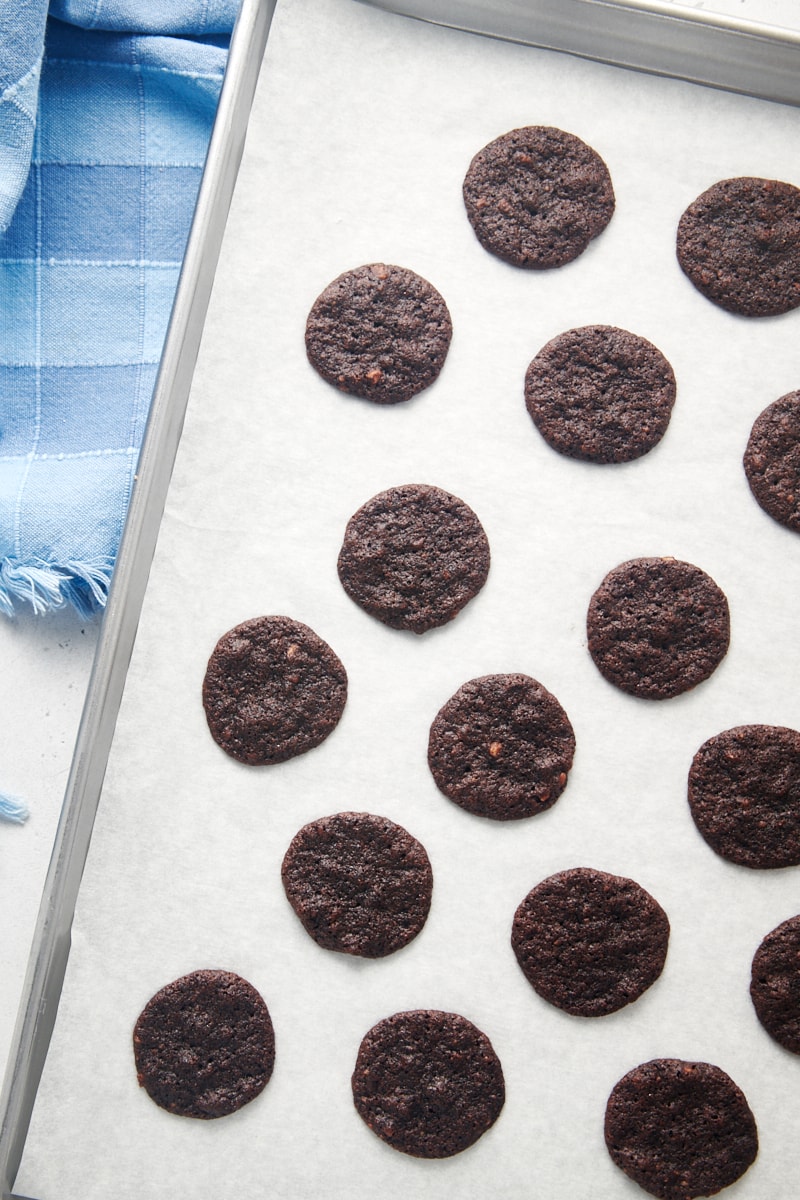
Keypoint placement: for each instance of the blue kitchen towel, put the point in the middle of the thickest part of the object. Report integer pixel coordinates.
(127, 91)
(13, 809)
(21, 36)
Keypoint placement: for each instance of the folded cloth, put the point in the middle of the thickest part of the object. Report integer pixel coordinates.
(21, 35)
(89, 265)
(195, 18)
(13, 809)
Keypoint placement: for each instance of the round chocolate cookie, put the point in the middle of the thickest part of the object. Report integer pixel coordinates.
(589, 942)
(657, 627)
(272, 690)
(204, 1045)
(537, 196)
(413, 556)
(501, 747)
(775, 984)
(772, 460)
(744, 795)
(680, 1129)
(739, 243)
(380, 332)
(428, 1083)
(359, 883)
(600, 394)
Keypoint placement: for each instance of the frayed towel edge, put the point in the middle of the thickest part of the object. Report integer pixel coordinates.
(48, 586)
(13, 809)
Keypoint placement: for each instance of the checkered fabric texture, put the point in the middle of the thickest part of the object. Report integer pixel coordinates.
(88, 269)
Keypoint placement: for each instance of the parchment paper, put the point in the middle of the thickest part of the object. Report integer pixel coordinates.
(363, 127)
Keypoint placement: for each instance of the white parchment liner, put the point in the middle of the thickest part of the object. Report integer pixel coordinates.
(362, 129)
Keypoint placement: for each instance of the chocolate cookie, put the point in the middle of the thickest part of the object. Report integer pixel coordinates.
(772, 460)
(501, 747)
(739, 243)
(380, 332)
(680, 1129)
(775, 984)
(359, 883)
(413, 556)
(589, 942)
(204, 1045)
(272, 690)
(537, 196)
(428, 1083)
(657, 627)
(744, 795)
(600, 394)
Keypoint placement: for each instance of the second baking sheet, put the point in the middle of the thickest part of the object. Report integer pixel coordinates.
(363, 127)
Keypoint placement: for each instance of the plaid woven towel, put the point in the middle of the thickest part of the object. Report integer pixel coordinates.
(21, 33)
(127, 91)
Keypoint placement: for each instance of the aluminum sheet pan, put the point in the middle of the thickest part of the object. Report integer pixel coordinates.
(708, 47)
(52, 946)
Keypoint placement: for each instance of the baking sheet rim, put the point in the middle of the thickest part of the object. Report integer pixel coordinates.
(51, 940)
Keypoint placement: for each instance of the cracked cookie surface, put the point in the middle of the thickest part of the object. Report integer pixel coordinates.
(273, 689)
(380, 331)
(657, 627)
(589, 942)
(680, 1129)
(428, 1083)
(537, 196)
(501, 747)
(204, 1045)
(359, 883)
(413, 557)
(744, 795)
(739, 244)
(600, 394)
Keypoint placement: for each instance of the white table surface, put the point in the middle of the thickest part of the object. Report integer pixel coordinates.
(46, 665)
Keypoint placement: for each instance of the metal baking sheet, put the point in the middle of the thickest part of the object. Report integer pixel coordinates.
(52, 947)
(717, 48)
(51, 944)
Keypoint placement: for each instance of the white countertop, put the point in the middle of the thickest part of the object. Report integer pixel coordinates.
(46, 665)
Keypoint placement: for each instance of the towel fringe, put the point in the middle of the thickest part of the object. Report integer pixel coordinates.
(13, 809)
(47, 587)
